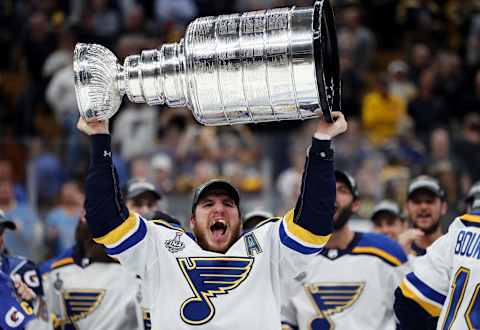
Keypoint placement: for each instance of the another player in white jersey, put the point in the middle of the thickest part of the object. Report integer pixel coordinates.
(215, 277)
(90, 290)
(350, 284)
(443, 290)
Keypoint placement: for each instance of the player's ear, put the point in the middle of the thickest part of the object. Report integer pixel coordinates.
(355, 206)
(444, 207)
(193, 221)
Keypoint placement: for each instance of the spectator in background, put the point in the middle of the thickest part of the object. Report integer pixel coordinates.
(6, 173)
(426, 109)
(162, 177)
(38, 43)
(134, 130)
(162, 167)
(140, 169)
(420, 59)
(62, 220)
(355, 39)
(289, 181)
(103, 21)
(399, 84)
(178, 12)
(26, 238)
(387, 219)
(467, 147)
(381, 113)
(352, 87)
(423, 21)
(470, 101)
(449, 79)
(47, 172)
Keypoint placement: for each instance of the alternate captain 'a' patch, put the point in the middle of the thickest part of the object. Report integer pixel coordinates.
(78, 304)
(209, 277)
(331, 298)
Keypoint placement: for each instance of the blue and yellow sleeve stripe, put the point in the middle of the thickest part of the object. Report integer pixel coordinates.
(298, 238)
(471, 220)
(417, 290)
(381, 247)
(132, 231)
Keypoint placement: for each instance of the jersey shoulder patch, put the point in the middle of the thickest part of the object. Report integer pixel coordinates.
(381, 246)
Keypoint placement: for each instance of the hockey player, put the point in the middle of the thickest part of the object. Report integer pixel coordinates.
(425, 207)
(90, 290)
(442, 292)
(350, 284)
(214, 277)
(141, 197)
(387, 219)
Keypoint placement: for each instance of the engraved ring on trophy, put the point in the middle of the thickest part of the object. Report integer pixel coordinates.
(268, 65)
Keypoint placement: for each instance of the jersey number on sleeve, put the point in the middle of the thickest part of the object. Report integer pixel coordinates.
(472, 317)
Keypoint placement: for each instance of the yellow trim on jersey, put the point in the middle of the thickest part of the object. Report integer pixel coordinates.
(379, 252)
(62, 262)
(118, 233)
(471, 217)
(430, 308)
(302, 233)
(166, 224)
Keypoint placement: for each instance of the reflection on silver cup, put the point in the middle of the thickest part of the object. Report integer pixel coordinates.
(269, 65)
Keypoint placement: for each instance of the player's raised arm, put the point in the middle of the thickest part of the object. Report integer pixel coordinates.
(104, 206)
(309, 226)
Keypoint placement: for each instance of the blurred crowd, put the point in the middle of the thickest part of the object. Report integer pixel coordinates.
(411, 94)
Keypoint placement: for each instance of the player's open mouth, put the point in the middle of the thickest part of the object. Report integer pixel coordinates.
(218, 229)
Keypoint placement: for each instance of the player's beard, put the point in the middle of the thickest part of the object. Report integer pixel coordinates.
(204, 243)
(344, 215)
(430, 229)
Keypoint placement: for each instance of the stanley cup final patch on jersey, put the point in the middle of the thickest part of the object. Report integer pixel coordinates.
(209, 277)
(175, 245)
(331, 298)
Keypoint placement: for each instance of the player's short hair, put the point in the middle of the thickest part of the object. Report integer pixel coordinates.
(136, 187)
(386, 207)
(201, 190)
(425, 182)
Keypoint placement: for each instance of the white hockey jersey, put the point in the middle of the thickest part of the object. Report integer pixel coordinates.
(446, 281)
(190, 286)
(347, 289)
(100, 296)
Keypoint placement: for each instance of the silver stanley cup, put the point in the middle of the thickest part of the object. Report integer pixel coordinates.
(268, 65)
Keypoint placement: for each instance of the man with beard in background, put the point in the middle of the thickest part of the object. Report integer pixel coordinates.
(425, 207)
(351, 283)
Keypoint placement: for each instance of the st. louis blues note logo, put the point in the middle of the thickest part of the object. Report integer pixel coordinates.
(175, 245)
(209, 277)
(78, 304)
(331, 298)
